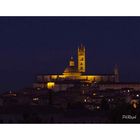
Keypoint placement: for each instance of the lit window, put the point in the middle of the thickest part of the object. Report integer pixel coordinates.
(137, 95)
(50, 85)
(98, 107)
(38, 88)
(35, 99)
(134, 105)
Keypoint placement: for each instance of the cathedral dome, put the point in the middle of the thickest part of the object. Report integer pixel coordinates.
(71, 69)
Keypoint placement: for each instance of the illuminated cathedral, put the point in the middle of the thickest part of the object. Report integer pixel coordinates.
(77, 72)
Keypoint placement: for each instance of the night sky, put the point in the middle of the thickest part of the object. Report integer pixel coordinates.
(43, 45)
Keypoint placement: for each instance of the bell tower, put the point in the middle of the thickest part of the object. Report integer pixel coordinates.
(81, 59)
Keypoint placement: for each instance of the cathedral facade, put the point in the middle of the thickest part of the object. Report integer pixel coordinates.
(77, 72)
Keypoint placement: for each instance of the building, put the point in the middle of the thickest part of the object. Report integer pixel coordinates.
(75, 72)
(120, 86)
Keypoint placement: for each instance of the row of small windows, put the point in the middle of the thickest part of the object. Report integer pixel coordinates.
(81, 53)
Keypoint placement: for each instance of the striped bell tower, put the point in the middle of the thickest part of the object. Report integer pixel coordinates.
(81, 59)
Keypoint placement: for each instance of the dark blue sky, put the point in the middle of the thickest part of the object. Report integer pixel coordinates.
(35, 45)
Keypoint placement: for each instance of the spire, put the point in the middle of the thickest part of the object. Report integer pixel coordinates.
(116, 73)
(71, 58)
(81, 47)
